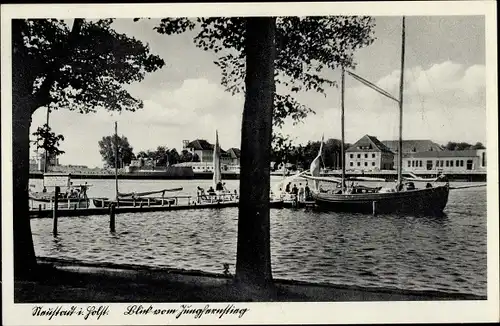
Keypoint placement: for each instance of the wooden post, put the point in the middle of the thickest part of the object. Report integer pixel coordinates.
(54, 211)
(149, 202)
(112, 217)
(134, 202)
(162, 202)
(39, 210)
(374, 208)
(69, 203)
(141, 204)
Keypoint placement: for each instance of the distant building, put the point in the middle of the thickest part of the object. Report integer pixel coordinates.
(142, 164)
(445, 161)
(37, 162)
(200, 147)
(234, 154)
(205, 151)
(413, 146)
(368, 153)
(207, 167)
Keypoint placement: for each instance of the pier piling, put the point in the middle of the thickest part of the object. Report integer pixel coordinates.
(54, 211)
(374, 208)
(112, 217)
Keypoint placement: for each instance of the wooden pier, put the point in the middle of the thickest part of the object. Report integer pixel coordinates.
(62, 212)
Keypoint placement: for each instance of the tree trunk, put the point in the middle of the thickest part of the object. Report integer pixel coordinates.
(22, 108)
(253, 265)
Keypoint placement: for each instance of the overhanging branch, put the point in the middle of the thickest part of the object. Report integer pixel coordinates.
(42, 96)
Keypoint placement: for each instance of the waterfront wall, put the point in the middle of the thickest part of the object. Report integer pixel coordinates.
(473, 176)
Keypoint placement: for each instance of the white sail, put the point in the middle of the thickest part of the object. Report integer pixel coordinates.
(217, 169)
(316, 165)
(279, 188)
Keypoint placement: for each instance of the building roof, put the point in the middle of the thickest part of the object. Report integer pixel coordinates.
(200, 144)
(234, 152)
(413, 146)
(368, 143)
(439, 154)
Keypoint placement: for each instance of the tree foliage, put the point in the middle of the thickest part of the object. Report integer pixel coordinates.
(80, 68)
(285, 151)
(305, 48)
(164, 156)
(460, 146)
(48, 141)
(83, 68)
(107, 149)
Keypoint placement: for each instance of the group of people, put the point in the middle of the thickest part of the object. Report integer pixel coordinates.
(220, 190)
(303, 193)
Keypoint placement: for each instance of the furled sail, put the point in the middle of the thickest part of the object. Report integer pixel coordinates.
(217, 169)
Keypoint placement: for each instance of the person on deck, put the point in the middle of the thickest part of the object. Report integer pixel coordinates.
(295, 190)
(301, 192)
(219, 186)
(201, 194)
(287, 188)
(307, 192)
(211, 191)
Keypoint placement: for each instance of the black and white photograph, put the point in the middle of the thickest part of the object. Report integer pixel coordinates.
(250, 163)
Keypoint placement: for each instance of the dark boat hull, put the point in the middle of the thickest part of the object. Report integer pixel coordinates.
(419, 201)
(101, 202)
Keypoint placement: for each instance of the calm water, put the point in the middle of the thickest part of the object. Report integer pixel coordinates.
(446, 253)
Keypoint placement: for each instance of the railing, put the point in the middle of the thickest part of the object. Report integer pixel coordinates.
(181, 200)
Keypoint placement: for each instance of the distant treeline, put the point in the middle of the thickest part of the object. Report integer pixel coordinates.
(454, 146)
(283, 151)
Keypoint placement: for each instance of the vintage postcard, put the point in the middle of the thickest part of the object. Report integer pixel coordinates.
(250, 163)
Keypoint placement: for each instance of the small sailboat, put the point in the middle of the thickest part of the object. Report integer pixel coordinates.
(404, 197)
(218, 192)
(74, 196)
(135, 198)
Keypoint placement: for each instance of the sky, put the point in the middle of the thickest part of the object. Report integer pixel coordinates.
(444, 97)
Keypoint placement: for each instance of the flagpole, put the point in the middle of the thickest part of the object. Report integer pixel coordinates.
(342, 127)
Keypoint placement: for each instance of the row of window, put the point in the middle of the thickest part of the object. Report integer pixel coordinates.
(359, 163)
(438, 163)
(359, 155)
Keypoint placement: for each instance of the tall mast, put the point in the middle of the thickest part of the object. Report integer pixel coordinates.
(116, 159)
(401, 86)
(342, 158)
(46, 153)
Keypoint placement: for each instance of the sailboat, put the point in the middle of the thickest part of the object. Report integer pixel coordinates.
(403, 198)
(220, 193)
(134, 198)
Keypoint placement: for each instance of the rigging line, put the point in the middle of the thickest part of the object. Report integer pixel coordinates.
(372, 86)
